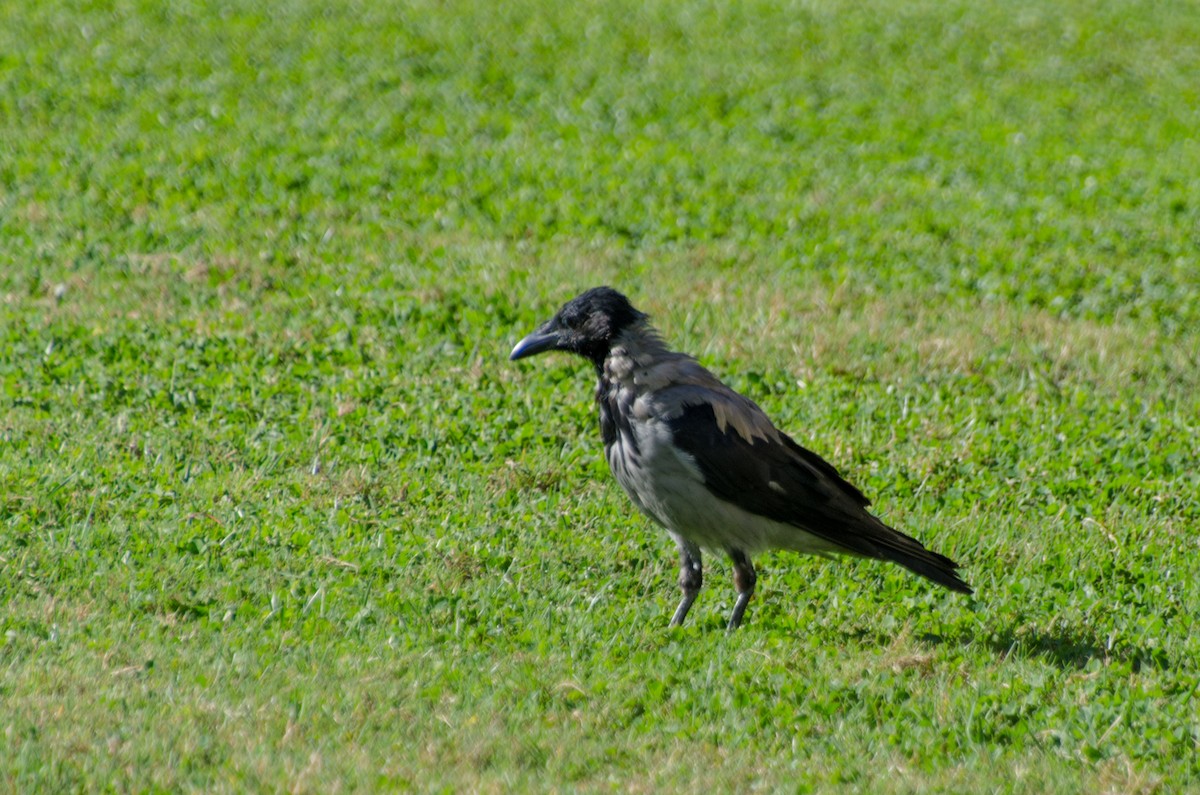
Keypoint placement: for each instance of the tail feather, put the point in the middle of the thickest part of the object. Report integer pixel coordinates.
(932, 566)
(892, 545)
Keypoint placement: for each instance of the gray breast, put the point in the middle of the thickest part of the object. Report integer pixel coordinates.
(666, 485)
(662, 481)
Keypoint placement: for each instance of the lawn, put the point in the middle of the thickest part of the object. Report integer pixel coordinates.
(277, 514)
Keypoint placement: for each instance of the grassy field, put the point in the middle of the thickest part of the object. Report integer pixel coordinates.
(277, 514)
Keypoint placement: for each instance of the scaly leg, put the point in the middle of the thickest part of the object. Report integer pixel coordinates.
(691, 577)
(744, 579)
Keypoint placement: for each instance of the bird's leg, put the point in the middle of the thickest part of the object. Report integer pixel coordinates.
(691, 577)
(744, 579)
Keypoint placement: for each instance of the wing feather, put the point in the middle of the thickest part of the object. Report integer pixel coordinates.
(766, 474)
(769, 474)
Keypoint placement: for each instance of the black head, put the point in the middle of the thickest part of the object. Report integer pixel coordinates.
(586, 325)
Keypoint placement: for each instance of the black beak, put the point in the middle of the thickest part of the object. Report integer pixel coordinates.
(540, 341)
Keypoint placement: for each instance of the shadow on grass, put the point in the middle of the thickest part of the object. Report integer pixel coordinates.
(1066, 647)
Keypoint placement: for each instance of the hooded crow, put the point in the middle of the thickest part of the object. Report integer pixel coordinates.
(707, 464)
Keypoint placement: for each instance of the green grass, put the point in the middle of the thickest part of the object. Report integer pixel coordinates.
(277, 514)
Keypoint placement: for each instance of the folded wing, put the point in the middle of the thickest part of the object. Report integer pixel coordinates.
(746, 461)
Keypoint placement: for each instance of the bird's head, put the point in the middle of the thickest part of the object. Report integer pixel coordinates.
(586, 325)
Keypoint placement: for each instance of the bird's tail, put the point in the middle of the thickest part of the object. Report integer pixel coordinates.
(892, 545)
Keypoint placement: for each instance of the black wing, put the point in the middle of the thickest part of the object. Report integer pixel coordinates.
(779, 479)
(808, 491)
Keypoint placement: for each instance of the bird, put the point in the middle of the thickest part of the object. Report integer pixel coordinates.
(707, 464)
